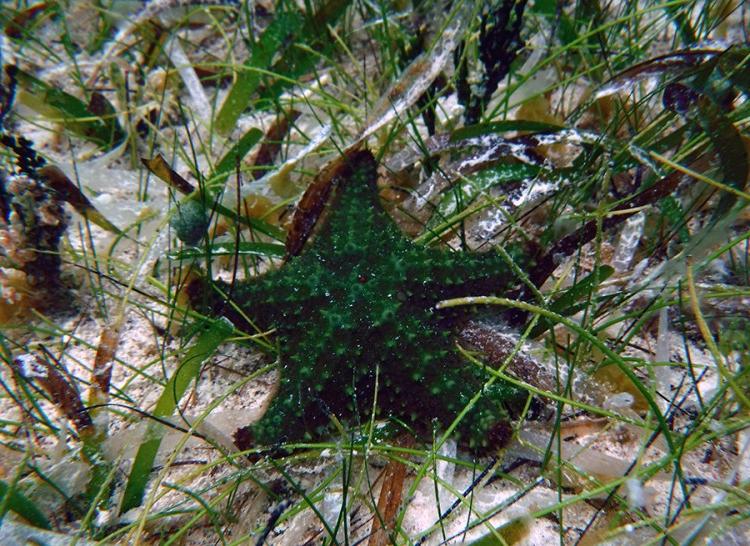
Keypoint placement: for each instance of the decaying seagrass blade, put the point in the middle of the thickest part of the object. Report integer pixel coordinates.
(315, 202)
(389, 500)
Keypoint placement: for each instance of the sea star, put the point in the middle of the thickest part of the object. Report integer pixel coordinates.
(353, 308)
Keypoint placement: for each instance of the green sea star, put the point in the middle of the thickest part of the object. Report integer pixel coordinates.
(354, 307)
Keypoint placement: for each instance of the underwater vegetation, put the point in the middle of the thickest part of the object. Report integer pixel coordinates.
(456, 234)
(32, 223)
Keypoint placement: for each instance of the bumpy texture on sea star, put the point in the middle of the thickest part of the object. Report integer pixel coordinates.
(354, 307)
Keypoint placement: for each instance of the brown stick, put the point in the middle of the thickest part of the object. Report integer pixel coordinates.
(271, 144)
(64, 395)
(103, 364)
(389, 500)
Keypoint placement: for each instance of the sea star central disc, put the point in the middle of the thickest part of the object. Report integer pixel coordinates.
(354, 311)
